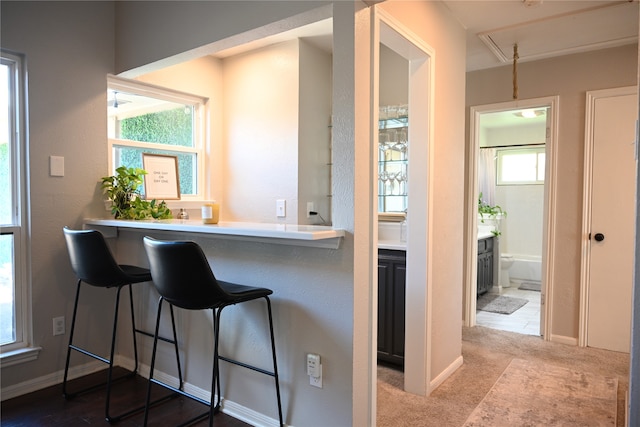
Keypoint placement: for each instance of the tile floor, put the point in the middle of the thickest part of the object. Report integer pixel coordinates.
(525, 320)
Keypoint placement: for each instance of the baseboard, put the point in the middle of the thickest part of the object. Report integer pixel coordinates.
(563, 339)
(228, 407)
(444, 374)
(626, 408)
(49, 380)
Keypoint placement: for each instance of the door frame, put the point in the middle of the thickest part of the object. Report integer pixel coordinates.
(421, 58)
(591, 98)
(549, 213)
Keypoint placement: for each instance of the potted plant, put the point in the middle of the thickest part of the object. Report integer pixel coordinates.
(123, 190)
(492, 213)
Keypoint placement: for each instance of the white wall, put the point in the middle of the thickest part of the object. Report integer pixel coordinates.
(522, 227)
(260, 98)
(394, 78)
(524, 204)
(314, 135)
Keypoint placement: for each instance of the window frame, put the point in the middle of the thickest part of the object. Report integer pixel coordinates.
(531, 149)
(22, 349)
(200, 106)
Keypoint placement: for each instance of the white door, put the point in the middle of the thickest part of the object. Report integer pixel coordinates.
(611, 243)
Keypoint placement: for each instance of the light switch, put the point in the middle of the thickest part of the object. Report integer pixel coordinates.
(281, 210)
(56, 166)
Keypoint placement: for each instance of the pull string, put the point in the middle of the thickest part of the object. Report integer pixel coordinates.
(515, 71)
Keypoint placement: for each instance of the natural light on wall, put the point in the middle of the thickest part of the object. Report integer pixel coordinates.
(520, 166)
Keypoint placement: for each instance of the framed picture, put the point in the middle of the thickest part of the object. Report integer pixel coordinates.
(162, 180)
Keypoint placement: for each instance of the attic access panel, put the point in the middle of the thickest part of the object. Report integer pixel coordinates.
(589, 29)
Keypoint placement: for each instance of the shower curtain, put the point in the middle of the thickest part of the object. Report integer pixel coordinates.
(487, 174)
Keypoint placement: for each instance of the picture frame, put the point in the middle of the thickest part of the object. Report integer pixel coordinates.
(162, 181)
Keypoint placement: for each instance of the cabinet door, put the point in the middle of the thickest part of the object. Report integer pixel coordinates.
(399, 291)
(481, 274)
(384, 297)
(489, 271)
(391, 306)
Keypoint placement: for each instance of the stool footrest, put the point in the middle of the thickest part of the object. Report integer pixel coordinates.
(245, 365)
(141, 408)
(149, 334)
(184, 393)
(69, 396)
(90, 354)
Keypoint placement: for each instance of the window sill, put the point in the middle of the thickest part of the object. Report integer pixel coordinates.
(21, 355)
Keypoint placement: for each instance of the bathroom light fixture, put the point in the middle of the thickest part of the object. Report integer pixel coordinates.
(529, 114)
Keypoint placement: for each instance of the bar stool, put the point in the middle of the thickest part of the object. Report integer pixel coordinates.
(93, 264)
(183, 277)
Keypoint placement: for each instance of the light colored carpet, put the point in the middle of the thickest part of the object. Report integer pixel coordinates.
(487, 353)
(499, 303)
(540, 394)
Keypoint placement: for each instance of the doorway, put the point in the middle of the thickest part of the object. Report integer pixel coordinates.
(536, 268)
(389, 34)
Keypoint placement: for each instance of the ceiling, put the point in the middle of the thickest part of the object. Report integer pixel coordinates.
(542, 28)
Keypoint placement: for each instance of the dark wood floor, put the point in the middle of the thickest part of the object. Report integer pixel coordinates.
(47, 407)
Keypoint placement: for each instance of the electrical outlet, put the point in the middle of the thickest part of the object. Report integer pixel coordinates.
(58, 325)
(316, 381)
(310, 208)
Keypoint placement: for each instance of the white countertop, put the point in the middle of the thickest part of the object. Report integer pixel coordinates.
(395, 245)
(301, 235)
(482, 234)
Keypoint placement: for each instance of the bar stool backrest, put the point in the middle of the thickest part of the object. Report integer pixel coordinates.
(182, 274)
(91, 259)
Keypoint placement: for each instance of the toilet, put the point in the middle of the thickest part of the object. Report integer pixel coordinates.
(506, 261)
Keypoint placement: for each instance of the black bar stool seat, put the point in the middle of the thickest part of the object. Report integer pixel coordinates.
(183, 278)
(94, 264)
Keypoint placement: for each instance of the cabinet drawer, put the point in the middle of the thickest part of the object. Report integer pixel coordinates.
(485, 245)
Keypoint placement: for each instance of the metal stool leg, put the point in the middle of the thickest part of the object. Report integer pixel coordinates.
(133, 331)
(275, 364)
(69, 347)
(111, 355)
(175, 345)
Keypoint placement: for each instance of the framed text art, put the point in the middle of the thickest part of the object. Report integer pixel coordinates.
(162, 180)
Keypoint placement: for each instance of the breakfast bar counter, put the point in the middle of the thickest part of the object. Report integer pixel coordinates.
(287, 234)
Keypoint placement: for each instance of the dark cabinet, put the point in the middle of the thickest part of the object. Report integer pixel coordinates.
(485, 265)
(392, 267)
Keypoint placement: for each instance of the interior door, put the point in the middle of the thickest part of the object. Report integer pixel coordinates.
(611, 228)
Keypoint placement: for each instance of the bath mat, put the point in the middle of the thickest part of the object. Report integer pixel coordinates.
(499, 303)
(530, 286)
(539, 394)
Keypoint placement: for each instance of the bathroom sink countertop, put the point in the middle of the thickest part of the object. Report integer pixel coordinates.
(396, 245)
(483, 234)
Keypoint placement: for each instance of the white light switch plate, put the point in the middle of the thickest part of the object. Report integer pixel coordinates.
(56, 166)
(281, 211)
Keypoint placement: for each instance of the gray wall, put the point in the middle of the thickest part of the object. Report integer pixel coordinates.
(69, 49)
(569, 77)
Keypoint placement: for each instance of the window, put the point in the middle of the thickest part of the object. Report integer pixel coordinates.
(148, 119)
(15, 316)
(520, 166)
